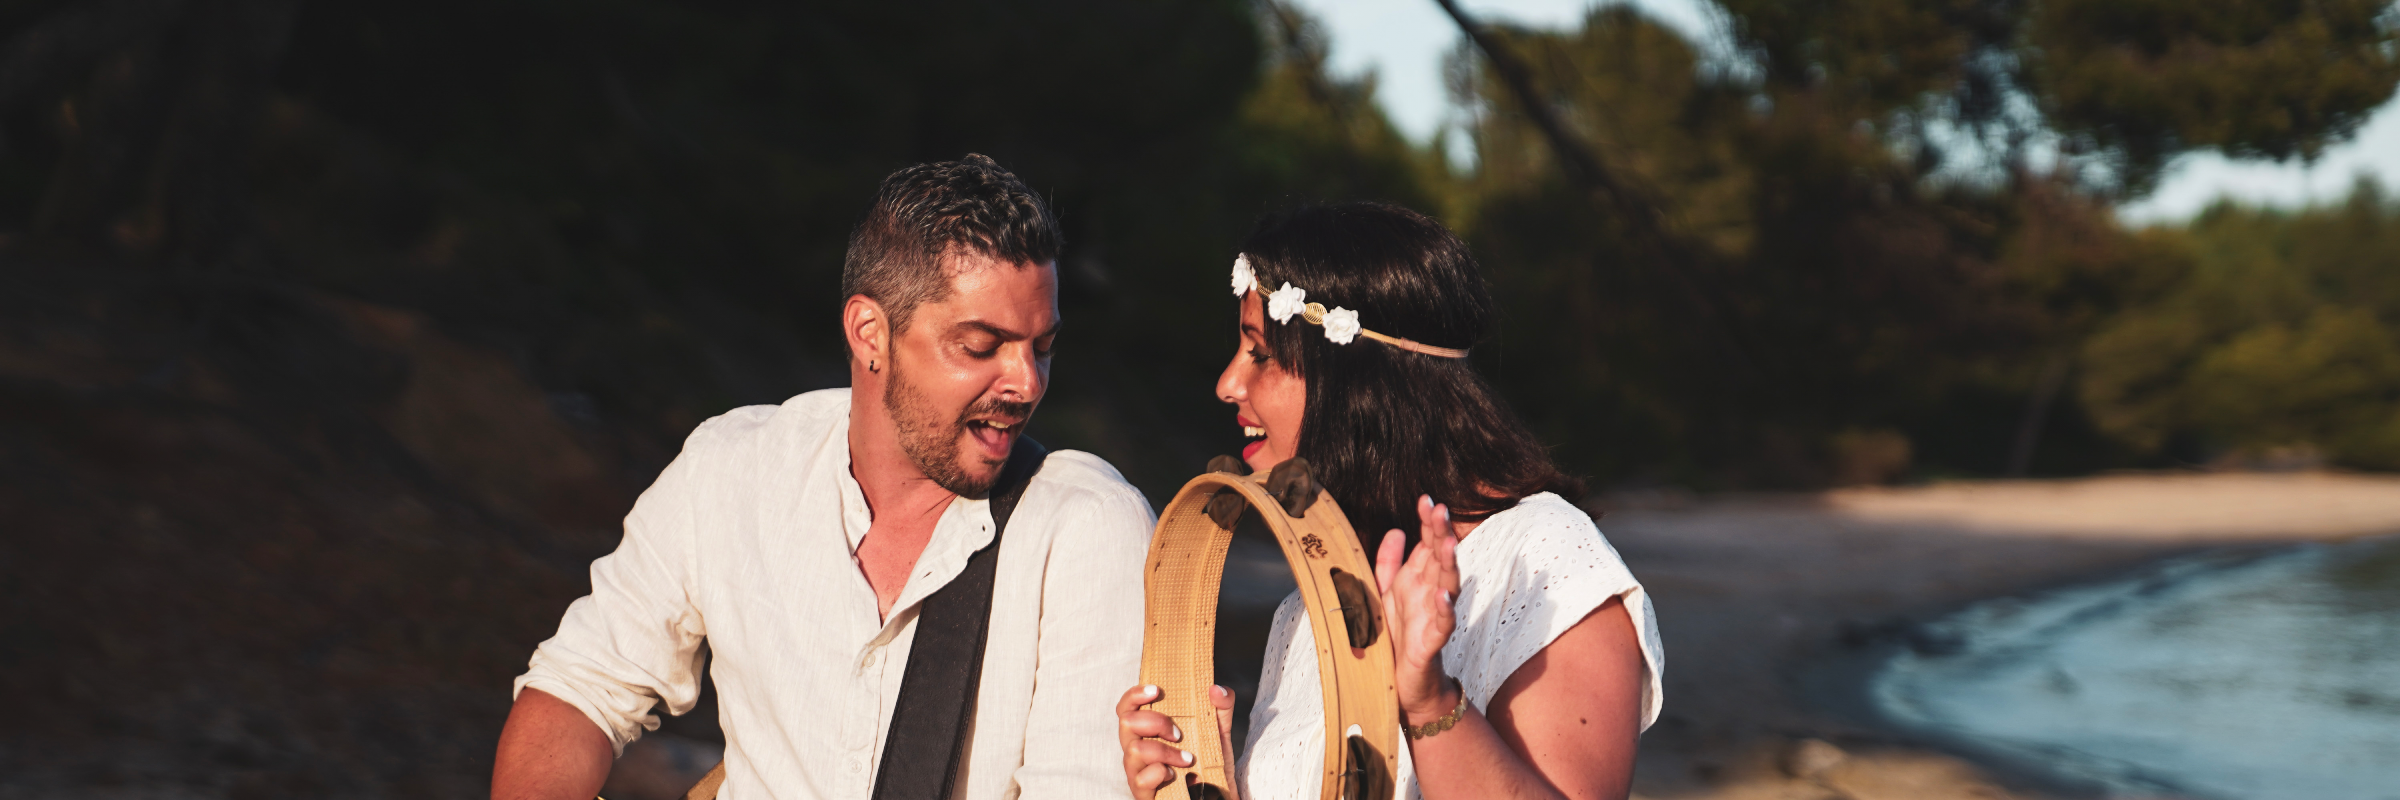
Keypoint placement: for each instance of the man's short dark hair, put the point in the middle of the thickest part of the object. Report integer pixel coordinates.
(923, 212)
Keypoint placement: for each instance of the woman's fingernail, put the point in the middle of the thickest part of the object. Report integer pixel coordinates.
(1149, 691)
(1174, 732)
(1187, 757)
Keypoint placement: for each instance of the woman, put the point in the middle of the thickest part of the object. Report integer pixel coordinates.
(1525, 654)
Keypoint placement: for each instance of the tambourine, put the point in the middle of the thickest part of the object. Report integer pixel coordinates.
(1337, 582)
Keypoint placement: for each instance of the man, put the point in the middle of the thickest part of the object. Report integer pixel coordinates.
(799, 543)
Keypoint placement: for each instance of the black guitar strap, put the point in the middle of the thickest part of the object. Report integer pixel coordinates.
(937, 694)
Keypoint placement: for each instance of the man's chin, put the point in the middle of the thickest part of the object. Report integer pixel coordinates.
(975, 477)
(973, 470)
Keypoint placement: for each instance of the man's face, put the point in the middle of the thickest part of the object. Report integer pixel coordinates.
(969, 370)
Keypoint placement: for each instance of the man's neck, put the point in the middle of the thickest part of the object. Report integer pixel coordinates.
(892, 482)
(905, 505)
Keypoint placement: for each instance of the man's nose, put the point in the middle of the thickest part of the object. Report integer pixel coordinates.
(1021, 378)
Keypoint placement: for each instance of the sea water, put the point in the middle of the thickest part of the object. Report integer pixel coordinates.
(2268, 676)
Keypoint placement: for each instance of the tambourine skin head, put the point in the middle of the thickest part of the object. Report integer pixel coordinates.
(1335, 577)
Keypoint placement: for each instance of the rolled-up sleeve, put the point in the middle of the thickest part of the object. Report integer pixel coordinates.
(1090, 650)
(636, 639)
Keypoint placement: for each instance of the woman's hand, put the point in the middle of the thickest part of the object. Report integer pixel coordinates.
(1144, 735)
(1417, 598)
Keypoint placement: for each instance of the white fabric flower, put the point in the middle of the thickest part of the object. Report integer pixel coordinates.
(1285, 302)
(1243, 279)
(1341, 325)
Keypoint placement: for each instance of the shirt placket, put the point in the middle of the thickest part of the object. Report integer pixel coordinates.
(869, 685)
(862, 711)
(879, 666)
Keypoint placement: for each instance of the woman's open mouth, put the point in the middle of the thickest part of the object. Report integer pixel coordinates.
(1255, 432)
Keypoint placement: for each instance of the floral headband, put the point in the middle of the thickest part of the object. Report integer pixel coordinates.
(1341, 324)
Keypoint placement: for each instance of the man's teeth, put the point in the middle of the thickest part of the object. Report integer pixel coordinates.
(990, 424)
(1253, 432)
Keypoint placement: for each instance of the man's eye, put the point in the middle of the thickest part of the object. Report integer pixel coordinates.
(983, 352)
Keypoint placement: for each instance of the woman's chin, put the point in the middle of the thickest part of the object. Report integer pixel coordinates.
(1260, 457)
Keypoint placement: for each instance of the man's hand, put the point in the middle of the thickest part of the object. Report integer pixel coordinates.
(550, 751)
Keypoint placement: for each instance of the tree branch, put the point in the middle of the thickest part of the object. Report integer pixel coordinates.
(1640, 212)
(1312, 60)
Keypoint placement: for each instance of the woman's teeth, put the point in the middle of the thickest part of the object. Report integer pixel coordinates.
(1253, 432)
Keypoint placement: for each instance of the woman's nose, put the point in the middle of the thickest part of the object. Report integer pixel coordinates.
(1229, 383)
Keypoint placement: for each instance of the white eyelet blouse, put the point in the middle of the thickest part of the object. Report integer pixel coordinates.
(1526, 575)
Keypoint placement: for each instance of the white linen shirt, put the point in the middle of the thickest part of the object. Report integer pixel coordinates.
(744, 548)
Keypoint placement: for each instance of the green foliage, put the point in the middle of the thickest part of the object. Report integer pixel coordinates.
(2124, 86)
(2282, 331)
(2146, 79)
(1830, 297)
(646, 203)
(1829, 301)
(650, 200)
(1881, 55)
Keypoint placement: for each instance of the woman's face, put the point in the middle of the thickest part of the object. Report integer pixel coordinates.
(1267, 398)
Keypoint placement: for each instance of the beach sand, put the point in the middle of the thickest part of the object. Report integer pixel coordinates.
(1773, 606)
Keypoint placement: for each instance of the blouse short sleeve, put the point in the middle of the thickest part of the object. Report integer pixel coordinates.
(1538, 569)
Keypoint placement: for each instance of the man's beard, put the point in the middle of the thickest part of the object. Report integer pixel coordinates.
(932, 442)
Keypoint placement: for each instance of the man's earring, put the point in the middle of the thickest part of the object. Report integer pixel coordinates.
(871, 365)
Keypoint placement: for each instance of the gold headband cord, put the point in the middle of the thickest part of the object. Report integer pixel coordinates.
(1290, 301)
(1315, 313)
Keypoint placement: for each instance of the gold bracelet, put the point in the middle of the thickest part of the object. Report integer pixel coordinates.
(1427, 730)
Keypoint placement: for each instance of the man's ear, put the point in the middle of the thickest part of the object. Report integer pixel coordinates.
(866, 330)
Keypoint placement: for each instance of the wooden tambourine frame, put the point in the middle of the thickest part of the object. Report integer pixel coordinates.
(1337, 582)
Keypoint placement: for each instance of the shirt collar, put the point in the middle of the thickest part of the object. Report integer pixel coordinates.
(965, 527)
(857, 517)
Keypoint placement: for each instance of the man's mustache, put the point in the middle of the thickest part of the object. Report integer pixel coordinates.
(996, 407)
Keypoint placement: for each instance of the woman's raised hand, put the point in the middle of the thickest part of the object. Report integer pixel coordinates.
(1417, 598)
(1144, 735)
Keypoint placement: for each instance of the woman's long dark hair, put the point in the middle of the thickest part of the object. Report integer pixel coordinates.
(1384, 425)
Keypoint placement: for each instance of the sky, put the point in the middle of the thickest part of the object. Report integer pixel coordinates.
(1403, 42)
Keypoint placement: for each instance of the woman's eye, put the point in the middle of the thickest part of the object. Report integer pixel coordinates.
(1258, 355)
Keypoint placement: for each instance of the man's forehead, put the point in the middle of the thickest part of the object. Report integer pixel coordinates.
(1010, 295)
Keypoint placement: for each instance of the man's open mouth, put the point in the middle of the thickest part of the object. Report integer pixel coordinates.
(996, 435)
